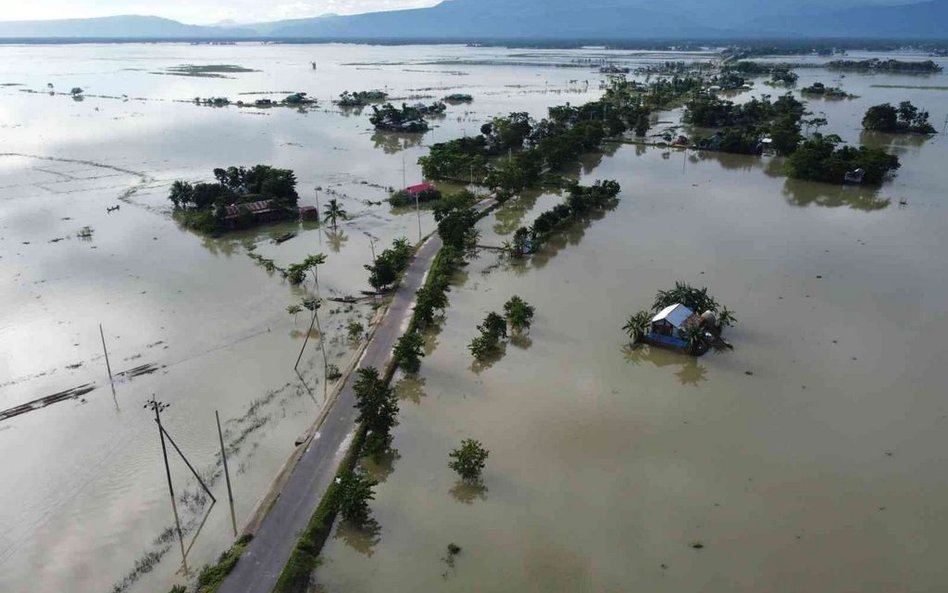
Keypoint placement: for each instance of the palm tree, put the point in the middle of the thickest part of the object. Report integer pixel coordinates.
(694, 335)
(637, 326)
(726, 317)
(334, 211)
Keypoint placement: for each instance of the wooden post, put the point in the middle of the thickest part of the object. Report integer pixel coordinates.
(230, 493)
(106, 350)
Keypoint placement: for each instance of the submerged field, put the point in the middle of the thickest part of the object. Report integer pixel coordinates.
(805, 459)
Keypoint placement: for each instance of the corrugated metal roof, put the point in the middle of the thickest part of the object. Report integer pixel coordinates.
(417, 189)
(674, 314)
(260, 207)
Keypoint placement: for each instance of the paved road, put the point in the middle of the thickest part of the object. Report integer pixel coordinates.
(267, 553)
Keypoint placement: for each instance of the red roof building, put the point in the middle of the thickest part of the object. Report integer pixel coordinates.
(420, 188)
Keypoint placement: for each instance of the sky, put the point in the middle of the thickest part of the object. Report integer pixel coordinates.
(199, 12)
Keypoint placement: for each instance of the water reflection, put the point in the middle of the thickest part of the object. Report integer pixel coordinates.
(361, 538)
(411, 388)
(691, 373)
(381, 467)
(394, 142)
(469, 492)
(479, 366)
(897, 141)
(336, 239)
(510, 218)
(804, 193)
(522, 341)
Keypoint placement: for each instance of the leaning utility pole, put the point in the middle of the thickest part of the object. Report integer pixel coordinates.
(106, 350)
(230, 493)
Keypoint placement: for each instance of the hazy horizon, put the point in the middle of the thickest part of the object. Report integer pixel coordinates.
(213, 12)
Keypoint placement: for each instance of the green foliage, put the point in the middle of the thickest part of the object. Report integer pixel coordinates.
(821, 158)
(457, 159)
(905, 118)
(296, 273)
(484, 346)
(726, 317)
(494, 325)
(294, 310)
(409, 351)
(211, 577)
(178, 589)
(392, 119)
(432, 296)
(821, 90)
(469, 460)
(402, 198)
(745, 125)
(638, 325)
(334, 212)
(384, 271)
(456, 226)
(377, 405)
(355, 492)
(202, 206)
(877, 65)
(356, 330)
(519, 313)
(696, 299)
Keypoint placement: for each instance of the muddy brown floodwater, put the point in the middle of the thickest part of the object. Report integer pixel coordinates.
(808, 459)
(822, 470)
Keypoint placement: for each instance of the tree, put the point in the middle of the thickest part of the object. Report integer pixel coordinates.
(376, 402)
(294, 310)
(694, 335)
(696, 299)
(356, 330)
(882, 118)
(469, 460)
(726, 317)
(353, 495)
(494, 325)
(483, 346)
(182, 193)
(334, 211)
(638, 325)
(519, 313)
(382, 272)
(409, 351)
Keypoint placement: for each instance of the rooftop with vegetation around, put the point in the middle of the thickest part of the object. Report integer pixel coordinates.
(239, 198)
(389, 118)
(824, 158)
(819, 89)
(361, 98)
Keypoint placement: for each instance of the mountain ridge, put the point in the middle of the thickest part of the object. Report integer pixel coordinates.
(489, 20)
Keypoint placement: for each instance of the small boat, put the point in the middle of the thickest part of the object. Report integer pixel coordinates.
(284, 238)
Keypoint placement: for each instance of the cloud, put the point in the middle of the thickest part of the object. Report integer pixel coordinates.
(202, 11)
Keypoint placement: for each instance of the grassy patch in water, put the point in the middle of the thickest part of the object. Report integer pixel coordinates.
(211, 577)
(205, 71)
(909, 86)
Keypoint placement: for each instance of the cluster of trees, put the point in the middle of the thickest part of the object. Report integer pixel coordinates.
(745, 125)
(517, 312)
(456, 218)
(389, 118)
(433, 296)
(568, 131)
(728, 81)
(784, 76)
(360, 98)
(821, 90)
(822, 158)
(580, 202)
(906, 118)
(203, 205)
(384, 271)
(877, 65)
(458, 98)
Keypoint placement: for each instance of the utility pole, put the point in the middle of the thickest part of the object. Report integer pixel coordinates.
(157, 408)
(106, 350)
(230, 493)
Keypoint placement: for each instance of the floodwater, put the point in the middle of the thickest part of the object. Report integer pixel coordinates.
(84, 502)
(605, 464)
(809, 458)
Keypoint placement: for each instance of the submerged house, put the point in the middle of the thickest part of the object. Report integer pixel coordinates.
(238, 215)
(417, 190)
(669, 325)
(855, 177)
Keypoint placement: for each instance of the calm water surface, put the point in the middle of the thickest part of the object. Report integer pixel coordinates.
(818, 471)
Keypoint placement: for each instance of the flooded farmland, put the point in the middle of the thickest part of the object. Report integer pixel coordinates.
(807, 458)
